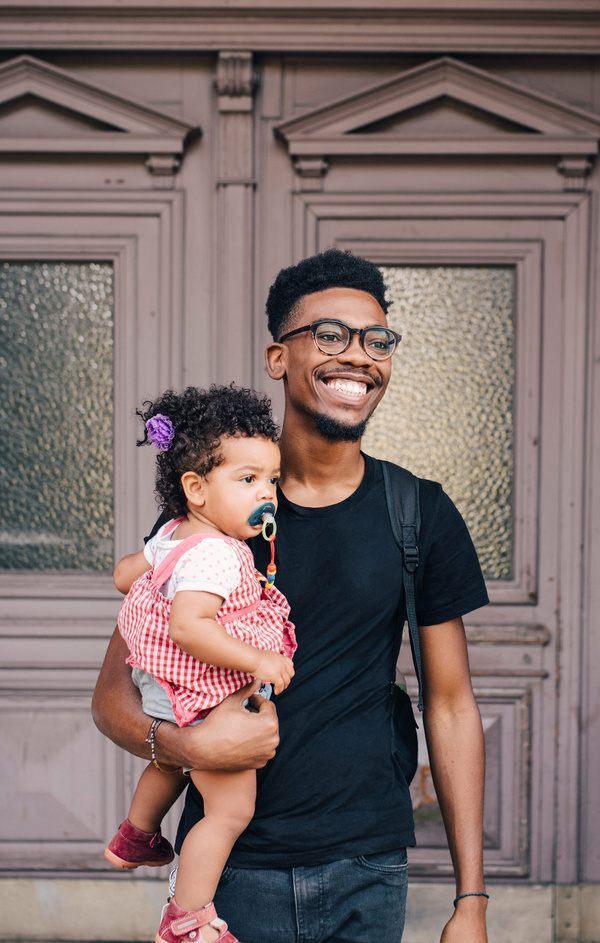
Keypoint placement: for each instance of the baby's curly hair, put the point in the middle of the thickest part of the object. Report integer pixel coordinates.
(330, 269)
(200, 418)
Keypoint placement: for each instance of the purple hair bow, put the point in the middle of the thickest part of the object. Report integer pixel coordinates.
(161, 432)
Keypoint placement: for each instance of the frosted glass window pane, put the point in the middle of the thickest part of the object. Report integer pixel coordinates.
(448, 413)
(56, 415)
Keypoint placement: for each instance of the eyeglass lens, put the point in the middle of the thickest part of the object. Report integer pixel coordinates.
(332, 338)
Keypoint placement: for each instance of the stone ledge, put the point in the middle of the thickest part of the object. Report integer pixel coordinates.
(126, 909)
(80, 909)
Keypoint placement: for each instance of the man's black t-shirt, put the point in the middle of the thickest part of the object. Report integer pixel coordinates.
(333, 791)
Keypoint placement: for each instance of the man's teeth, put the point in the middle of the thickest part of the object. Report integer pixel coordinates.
(355, 387)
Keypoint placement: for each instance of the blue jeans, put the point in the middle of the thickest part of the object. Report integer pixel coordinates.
(356, 900)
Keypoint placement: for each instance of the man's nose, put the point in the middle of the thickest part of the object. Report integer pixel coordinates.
(355, 352)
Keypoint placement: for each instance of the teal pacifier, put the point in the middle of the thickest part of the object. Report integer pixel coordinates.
(266, 510)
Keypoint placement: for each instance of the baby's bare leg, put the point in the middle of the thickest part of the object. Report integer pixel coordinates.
(155, 794)
(228, 808)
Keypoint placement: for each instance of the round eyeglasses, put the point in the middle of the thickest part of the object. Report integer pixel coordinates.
(334, 337)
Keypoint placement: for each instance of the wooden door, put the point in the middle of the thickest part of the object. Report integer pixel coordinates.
(488, 397)
(89, 318)
(487, 262)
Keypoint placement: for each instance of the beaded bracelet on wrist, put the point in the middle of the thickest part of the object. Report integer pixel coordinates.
(151, 740)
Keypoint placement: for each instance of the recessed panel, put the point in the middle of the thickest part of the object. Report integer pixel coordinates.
(507, 731)
(57, 779)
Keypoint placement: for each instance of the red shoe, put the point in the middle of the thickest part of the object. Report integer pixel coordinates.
(131, 848)
(184, 926)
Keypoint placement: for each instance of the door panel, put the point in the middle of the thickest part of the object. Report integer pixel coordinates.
(507, 724)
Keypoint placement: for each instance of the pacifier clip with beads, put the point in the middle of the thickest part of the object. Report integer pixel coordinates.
(266, 514)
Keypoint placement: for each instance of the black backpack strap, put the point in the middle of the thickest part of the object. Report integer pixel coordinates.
(402, 496)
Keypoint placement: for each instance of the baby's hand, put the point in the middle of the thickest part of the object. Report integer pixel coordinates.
(276, 668)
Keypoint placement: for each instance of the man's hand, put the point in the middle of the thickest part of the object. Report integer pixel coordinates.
(233, 738)
(467, 925)
(274, 668)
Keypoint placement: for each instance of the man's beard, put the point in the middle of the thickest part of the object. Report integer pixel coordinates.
(335, 431)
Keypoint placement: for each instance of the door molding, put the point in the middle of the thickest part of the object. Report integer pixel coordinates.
(109, 122)
(479, 113)
(304, 26)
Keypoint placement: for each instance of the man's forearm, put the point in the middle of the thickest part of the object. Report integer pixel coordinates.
(457, 758)
(117, 712)
(117, 705)
(231, 738)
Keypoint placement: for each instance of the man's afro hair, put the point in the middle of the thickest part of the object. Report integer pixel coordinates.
(330, 269)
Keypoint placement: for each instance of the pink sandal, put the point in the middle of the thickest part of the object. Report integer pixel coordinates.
(185, 926)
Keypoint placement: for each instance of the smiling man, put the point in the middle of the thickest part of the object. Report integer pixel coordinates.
(324, 859)
(342, 393)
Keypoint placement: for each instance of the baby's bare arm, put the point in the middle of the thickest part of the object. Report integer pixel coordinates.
(129, 569)
(193, 628)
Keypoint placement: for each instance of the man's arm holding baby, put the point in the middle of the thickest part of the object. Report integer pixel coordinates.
(231, 738)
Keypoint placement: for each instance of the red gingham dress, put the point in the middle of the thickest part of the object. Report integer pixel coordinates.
(251, 613)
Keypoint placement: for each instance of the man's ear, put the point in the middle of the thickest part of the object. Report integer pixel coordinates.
(275, 360)
(193, 488)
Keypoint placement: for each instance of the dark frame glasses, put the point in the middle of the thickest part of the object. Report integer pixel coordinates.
(369, 338)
